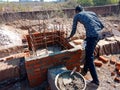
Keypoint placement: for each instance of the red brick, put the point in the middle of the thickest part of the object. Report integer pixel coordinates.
(1, 60)
(117, 68)
(103, 59)
(27, 54)
(113, 60)
(118, 63)
(72, 63)
(37, 65)
(71, 66)
(47, 66)
(118, 72)
(73, 60)
(34, 75)
(44, 71)
(29, 63)
(117, 79)
(112, 73)
(37, 70)
(98, 63)
(9, 58)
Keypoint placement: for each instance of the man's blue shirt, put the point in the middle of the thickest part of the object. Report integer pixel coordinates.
(90, 21)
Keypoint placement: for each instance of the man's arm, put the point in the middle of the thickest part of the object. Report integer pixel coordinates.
(74, 26)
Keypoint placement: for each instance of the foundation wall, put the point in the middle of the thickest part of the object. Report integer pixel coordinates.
(37, 68)
(41, 40)
(12, 70)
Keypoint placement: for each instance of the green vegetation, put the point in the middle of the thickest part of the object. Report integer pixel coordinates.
(31, 6)
(104, 2)
(97, 2)
(86, 2)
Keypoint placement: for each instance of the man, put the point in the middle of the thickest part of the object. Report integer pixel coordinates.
(92, 26)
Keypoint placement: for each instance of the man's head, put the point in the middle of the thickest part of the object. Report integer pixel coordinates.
(78, 9)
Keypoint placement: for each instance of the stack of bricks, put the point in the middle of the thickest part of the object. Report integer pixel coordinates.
(37, 67)
(100, 61)
(113, 61)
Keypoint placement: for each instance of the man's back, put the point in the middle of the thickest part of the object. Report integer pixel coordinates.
(90, 21)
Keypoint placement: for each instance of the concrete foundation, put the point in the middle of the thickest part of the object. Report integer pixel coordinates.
(37, 66)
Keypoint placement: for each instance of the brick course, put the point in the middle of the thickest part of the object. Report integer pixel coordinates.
(37, 68)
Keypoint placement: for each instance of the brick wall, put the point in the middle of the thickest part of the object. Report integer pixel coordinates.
(40, 40)
(37, 67)
(12, 70)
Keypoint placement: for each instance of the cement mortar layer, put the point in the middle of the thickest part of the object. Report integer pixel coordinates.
(102, 43)
(75, 48)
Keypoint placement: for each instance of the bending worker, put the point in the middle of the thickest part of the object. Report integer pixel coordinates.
(92, 26)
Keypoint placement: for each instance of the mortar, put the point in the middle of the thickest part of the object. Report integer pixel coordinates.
(67, 79)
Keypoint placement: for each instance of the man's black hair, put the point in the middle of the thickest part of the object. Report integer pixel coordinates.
(79, 8)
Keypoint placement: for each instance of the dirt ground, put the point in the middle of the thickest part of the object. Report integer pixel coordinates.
(16, 30)
(104, 73)
(106, 80)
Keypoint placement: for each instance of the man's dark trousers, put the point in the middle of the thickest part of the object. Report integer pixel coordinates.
(89, 64)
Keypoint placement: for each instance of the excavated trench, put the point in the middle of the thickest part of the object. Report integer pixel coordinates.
(10, 41)
(9, 38)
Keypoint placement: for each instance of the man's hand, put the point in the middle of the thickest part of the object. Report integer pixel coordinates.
(68, 39)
